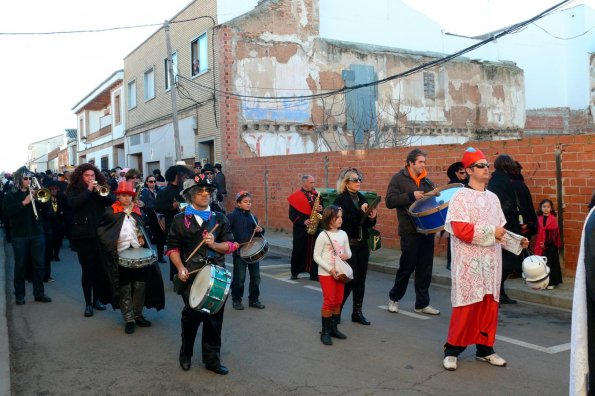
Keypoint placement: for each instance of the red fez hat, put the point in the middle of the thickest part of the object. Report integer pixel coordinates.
(125, 187)
(471, 156)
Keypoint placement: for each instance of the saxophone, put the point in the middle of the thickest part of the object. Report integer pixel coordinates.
(315, 217)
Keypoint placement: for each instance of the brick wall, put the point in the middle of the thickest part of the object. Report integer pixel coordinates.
(272, 179)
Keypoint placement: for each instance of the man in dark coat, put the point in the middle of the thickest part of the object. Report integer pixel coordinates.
(28, 240)
(301, 203)
(168, 199)
(189, 229)
(417, 249)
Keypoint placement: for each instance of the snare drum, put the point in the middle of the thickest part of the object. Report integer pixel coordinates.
(136, 258)
(210, 289)
(255, 250)
(429, 213)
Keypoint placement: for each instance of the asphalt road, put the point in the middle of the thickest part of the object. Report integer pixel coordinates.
(276, 351)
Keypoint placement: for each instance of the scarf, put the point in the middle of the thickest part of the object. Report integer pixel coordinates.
(417, 179)
(118, 208)
(203, 214)
(551, 225)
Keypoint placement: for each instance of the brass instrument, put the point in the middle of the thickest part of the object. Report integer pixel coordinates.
(315, 217)
(138, 190)
(101, 190)
(41, 194)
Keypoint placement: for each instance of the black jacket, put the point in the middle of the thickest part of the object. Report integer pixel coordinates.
(22, 218)
(501, 185)
(399, 195)
(164, 201)
(87, 207)
(109, 232)
(352, 217)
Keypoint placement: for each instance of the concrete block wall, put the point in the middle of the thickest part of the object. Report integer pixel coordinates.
(272, 179)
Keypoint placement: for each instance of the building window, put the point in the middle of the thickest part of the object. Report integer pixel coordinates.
(132, 94)
(429, 85)
(199, 55)
(81, 127)
(174, 61)
(117, 111)
(149, 84)
(104, 163)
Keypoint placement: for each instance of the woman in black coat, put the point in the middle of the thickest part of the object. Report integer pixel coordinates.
(357, 225)
(87, 207)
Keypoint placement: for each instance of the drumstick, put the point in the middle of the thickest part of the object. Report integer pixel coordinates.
(253, 233)
(200, 244)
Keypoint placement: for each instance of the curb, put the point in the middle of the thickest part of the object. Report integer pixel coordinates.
(4, 343)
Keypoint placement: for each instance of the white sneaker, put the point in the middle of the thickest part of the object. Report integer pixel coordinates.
(393, 306)
(429, 310)
(450, 363)
(492, 359)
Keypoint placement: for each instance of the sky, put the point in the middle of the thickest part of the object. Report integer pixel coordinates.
(44, 76)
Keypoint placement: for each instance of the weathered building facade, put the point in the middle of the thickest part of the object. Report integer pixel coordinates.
(289, 90)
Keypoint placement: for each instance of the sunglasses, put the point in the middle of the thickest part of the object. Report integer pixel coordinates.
(481, 166)
(208, 173)
(461, 172)
(26, 178)
(150, 181)
(201, 190)
(355, 179)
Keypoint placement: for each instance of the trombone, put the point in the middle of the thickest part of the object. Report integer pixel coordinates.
(38, 193)
(101, 190)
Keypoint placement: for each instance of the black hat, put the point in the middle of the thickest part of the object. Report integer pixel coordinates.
(208, 168)
(197, 181)
(197, 164)
(218, 166)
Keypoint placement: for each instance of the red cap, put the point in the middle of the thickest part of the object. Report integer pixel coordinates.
(471, 156)
(125, 187)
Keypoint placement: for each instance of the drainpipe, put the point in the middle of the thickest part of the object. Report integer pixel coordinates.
(326, 170)
(266, 196)
(560, 197)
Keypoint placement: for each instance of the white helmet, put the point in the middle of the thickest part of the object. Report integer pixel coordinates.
(536, 272)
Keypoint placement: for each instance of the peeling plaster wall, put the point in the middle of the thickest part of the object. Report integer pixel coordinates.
(276, 56)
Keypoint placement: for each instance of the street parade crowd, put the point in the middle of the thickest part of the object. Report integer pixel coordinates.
(122, 226)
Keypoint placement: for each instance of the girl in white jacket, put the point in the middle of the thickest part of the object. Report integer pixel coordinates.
(332, 244)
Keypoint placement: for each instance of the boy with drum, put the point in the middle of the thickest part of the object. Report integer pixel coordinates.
(244, 226)
(135, 279)
(209, 234)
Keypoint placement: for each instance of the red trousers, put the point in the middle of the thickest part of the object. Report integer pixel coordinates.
(474, 324)
(332, 294)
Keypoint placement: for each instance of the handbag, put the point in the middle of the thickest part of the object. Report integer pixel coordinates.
(344, 270)
(374, 239)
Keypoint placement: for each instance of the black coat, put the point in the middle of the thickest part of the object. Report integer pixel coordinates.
(87, 207)
(589, 246)
(501, 185)
(109, 233)
(148, 198)
(22, 218)
(399, 195)
(164, 201)
(352, 217)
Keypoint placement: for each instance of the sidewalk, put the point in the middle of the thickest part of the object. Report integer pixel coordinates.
(387, 260)
(4, 349)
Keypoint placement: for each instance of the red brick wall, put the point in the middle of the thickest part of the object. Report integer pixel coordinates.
(536, 154)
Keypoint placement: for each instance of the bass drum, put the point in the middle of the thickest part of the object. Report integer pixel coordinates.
(429, 213)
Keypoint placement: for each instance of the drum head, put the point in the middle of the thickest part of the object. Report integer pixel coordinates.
(200, 286)
(433, 203)
(252, 247)
(136, 254)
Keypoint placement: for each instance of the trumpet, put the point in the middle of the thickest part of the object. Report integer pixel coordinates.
(101, 190)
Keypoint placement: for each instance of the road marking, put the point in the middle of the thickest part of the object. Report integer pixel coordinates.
(275, 266)
(314, 288)
(281, 279)
(551, 350)
(406, 313)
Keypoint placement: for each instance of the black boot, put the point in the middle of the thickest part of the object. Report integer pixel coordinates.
(357, 315)
(325, 334)
(334, 330)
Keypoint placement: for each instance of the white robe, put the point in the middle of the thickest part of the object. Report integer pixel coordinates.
(477, 266)
(579, 343)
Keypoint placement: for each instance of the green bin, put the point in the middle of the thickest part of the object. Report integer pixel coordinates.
(328, 196)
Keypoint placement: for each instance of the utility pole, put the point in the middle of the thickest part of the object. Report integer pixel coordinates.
(172, 90)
